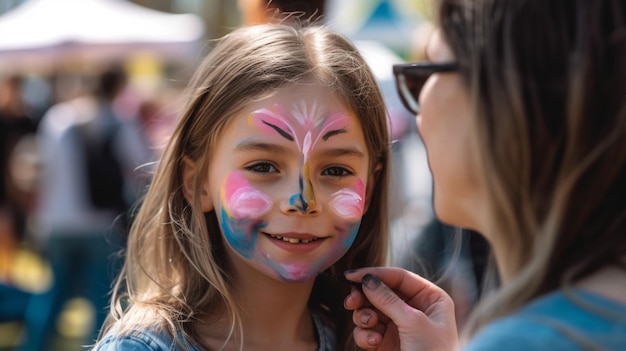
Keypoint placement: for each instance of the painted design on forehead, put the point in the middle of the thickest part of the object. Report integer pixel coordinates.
(241, 209)
(305, 124)
(348, 203)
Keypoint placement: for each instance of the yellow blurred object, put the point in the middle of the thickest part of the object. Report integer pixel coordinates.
(31, 273)
(77, 318)
(9, 334)
(145, 70)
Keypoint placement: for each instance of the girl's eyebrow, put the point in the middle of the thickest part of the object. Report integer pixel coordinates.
(333, 133)
(337, 152)
(251, 144)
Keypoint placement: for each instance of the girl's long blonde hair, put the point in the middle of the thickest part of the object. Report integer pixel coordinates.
(175, 267)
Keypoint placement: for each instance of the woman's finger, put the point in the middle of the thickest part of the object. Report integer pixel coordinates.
(363, 310)
(381, 338)
(355, 300)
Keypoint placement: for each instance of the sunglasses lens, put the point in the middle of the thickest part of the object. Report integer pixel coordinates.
(409, 87)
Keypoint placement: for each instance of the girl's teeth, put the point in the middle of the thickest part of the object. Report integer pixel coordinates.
(292, 240)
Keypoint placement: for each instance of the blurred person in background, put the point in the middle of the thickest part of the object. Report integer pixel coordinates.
(17, 190)
(16, 128)
(89, 181)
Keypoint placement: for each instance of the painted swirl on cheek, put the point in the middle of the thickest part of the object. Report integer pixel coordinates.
(241, 207)
(348, 203)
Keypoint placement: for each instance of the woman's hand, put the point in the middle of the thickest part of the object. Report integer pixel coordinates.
(399, 310)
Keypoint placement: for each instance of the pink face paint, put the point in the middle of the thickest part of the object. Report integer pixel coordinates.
(243, 201)
(241, 207)
(348, 203)
(297, 271)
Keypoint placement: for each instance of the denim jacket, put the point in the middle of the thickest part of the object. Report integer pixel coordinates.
(155, 340)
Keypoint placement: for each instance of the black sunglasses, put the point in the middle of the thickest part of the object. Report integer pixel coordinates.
(411, 77)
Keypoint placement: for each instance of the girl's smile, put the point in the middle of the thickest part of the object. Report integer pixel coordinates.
(297, 243)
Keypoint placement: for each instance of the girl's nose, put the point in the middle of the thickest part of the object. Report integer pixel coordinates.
(301, 204)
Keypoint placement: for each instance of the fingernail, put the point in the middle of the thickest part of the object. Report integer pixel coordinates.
(365, 318)
(371, 282)
(372, 341)
(349, 271)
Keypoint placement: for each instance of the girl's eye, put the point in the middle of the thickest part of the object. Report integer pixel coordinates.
(262, 167)
(337, 171)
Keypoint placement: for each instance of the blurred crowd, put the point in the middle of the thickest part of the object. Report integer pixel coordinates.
(76, 152)
(71, 172)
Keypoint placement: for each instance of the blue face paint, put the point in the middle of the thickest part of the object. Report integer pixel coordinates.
(241, 234)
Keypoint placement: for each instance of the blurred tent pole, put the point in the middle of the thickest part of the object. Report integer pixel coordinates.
(42, 34)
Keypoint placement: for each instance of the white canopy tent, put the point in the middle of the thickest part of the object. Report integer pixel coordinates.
(43, 32)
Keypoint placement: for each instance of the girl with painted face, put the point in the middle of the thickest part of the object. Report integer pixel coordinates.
(276, 171)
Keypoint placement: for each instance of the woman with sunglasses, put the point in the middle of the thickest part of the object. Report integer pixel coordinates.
(522, 108)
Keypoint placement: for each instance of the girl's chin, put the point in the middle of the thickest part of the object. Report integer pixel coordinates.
(300, 277)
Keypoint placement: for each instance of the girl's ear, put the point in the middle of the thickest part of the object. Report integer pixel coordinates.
(189, 177)
(371, 182)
